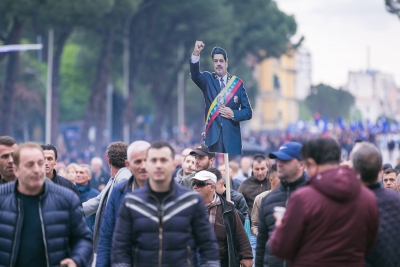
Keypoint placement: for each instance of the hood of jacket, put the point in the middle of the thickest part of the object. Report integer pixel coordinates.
(340, 184)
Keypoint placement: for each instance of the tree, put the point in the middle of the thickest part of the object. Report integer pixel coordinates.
(330, 102)
(14, 15)
(74, 14)
(393, 6)
(107, 28)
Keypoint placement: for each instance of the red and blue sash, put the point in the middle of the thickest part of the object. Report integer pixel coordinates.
(222, 98)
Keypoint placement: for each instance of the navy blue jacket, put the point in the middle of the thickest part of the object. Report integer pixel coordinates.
(108, 223)
(87, 192)
(387, 250)
(65, 231)
(149, 233)
(240, 105)
(277, 198)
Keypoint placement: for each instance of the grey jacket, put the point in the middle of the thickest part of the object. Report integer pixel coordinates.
(94, 205)
(186, 181)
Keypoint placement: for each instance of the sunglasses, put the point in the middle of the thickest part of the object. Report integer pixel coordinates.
(200, 184)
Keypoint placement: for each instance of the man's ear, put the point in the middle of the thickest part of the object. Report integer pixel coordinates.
(126, 163)
(212, 161)
(15, 168)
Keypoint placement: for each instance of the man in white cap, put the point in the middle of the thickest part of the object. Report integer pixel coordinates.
(231, 237)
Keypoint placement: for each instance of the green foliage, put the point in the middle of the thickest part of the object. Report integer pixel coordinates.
(304, 113)
(74, 84)
(157, 30)
(330, 102)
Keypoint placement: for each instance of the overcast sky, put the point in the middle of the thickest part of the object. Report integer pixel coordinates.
(338, 32)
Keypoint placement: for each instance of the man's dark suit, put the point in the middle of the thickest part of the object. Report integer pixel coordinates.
(240, 105)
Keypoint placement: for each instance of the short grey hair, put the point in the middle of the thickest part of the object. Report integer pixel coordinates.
(87, 167)
(137, 146)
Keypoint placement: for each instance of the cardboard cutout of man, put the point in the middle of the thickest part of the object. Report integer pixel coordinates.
(226, 102)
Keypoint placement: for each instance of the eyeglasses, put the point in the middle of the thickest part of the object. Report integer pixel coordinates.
(200, 184)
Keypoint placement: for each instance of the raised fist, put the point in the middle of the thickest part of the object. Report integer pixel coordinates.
(198, 46)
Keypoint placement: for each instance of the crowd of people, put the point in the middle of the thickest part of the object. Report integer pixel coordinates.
(147, 204)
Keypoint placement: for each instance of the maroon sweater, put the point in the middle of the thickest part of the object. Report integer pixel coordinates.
(332, 221)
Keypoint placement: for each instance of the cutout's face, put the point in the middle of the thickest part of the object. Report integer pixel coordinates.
(220, 65)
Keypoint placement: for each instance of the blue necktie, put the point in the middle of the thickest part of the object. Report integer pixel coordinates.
(222, 83)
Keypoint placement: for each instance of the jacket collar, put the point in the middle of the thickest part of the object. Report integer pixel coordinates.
(46, 185)
(227, 78)
(83, 188)
(55, 177)
(128, 186)
(147, 189)
(375, 186)
(297, 183)
(226, 206)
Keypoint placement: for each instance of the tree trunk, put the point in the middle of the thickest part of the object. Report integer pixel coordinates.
(96, 112)
(55, 97)
(7, 95)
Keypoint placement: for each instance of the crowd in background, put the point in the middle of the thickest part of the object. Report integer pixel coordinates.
(303, 196)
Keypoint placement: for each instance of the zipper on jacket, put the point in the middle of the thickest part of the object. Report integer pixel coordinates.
(227, 238)
(16, 232)
(188, 256)
(160, 208)
(43, 234)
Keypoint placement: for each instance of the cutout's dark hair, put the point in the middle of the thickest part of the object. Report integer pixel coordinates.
(219, 50)
(321, 150)
(161, 144)
(50, 147)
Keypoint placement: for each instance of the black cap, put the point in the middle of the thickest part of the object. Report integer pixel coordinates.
(387, 166)
(203, 151)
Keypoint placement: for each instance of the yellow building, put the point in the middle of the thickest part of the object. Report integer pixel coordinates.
(276, 104)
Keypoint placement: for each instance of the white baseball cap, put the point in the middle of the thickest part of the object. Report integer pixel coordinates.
(204, 176)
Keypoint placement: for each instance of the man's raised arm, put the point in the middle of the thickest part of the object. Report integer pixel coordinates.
(197, 77)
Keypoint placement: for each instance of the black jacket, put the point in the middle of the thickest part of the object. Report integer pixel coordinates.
(57, 179)
(277, 198)
(240, 204)
(65, 233)
(150, 233)
(387, 250)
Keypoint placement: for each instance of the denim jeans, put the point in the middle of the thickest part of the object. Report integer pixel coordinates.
(253, 243)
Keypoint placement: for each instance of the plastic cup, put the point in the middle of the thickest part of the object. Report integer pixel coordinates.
(279, 211)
